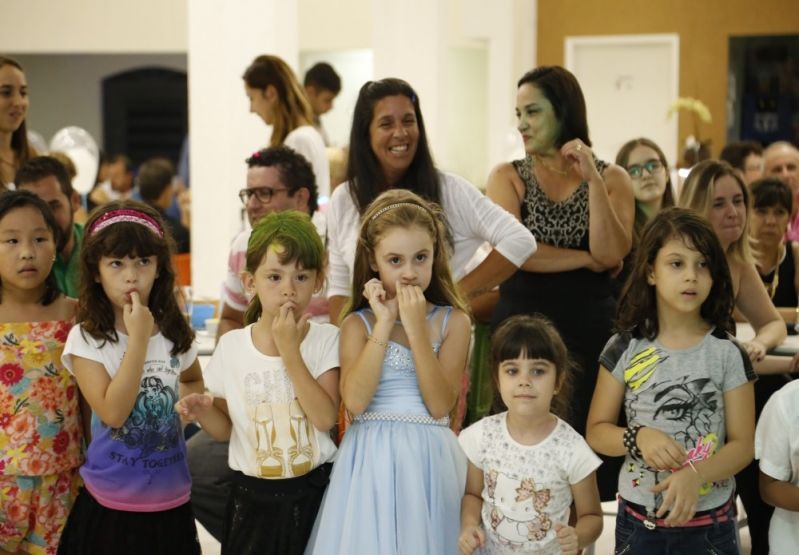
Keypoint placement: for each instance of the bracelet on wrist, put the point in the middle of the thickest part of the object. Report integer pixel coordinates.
(377, 341)
(630, 441)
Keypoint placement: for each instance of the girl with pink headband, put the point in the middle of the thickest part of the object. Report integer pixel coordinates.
(131, 352)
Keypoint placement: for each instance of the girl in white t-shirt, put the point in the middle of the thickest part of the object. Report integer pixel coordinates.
(527, 465)
(274, 393)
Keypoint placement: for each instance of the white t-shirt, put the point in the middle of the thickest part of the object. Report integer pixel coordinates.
(271, 437)
(777, 449)
(472, 217)
(526, 488)
(307, 141)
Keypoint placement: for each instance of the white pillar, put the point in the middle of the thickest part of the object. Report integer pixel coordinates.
(223, 38)
(410, 41)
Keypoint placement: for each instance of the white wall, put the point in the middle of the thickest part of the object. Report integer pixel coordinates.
(66, 89)
(93, 26)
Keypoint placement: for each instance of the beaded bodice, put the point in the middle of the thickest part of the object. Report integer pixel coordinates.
(398, 390)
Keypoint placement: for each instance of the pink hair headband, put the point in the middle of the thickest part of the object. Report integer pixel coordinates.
(125, 215)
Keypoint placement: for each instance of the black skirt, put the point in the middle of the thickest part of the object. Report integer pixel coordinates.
(93, 529)
(273, 516)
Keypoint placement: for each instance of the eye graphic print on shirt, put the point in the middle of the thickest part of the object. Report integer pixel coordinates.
(284, 439)
(685, 408)
(153, 425)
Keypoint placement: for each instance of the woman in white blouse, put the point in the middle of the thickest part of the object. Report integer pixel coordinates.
(388, 149)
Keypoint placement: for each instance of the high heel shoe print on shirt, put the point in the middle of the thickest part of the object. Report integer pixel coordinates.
(301, 453)
(268, 457)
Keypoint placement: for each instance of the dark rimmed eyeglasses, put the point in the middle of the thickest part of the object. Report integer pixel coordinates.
(651, 166)
(263, 194)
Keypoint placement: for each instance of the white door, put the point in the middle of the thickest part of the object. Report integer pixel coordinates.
(629, 82)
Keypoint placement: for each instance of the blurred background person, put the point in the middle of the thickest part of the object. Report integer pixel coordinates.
(781, 160)
(14, 102)
(278, 99)
(322, 85)
(745, 156)
(156, 184)
(119, 182)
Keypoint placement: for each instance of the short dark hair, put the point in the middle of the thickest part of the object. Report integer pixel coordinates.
(563, 91)
(11, 200)
(123, 159)
(39, 167)
(154, 176)
(295, 170)
(735, 153)
(770, 191)
(322, 76)
(533, 336)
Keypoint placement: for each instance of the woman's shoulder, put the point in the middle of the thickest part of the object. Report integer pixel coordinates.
(304, 133)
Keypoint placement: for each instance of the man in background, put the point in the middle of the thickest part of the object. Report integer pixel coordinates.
(781, 160)
(48, 179)
(745, 156)
(322, 85)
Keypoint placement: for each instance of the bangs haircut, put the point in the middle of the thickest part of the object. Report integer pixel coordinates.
(638, 311)
(294, 232)
(533, 337)
(12, 200)
(122, 240)
(770, 191)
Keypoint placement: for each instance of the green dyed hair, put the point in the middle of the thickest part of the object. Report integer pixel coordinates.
(300, 242)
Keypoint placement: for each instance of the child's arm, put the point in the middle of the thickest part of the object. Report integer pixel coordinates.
(777, 493)
(319, 399)
(439, 375)
(210, 412)
(472, 533)
(191, 379)
(113, 399)
(588, 525)
(659, 450)
(361, 358)
(682, 487)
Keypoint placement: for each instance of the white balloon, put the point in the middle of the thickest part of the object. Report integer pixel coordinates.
(82, 149)
(36, 140)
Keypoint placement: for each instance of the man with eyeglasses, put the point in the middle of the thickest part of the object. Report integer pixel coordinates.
(278, 179)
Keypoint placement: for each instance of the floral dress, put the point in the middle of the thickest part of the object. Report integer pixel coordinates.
(40, 432)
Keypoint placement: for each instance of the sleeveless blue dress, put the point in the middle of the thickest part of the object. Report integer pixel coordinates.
(399, 474)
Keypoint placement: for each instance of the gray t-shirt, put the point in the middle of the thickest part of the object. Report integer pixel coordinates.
(681, 393)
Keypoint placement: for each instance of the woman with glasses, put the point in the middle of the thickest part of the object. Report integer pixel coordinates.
(649, 173)
(580, 210)
(279, 100)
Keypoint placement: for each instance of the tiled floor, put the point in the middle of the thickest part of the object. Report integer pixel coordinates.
(604, 546)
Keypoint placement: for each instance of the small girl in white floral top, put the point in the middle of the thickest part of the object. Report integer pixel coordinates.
(40, 424)
(526, 465)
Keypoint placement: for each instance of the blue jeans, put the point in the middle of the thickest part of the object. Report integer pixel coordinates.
(633, 538)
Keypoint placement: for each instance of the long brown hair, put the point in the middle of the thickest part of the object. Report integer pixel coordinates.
(638, 309)
(19, 138)
(293, 108)
(120, 240)
(623, 158)
(403, 209)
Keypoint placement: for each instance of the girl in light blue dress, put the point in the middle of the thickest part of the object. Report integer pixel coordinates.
(399, 475)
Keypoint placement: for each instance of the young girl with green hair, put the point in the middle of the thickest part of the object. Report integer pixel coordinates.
(274, 393)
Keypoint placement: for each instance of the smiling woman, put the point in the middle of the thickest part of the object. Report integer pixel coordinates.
(14, 148)
(389, 150)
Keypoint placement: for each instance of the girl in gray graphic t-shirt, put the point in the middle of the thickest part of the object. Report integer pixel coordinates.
(685, 386)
